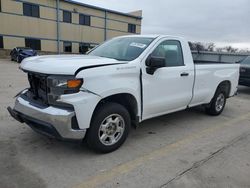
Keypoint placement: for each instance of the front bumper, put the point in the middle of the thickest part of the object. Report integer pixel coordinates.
(51, 121)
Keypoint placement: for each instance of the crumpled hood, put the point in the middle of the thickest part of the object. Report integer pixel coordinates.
(63, 64)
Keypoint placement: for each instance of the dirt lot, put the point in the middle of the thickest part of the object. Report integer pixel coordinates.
(184, 149)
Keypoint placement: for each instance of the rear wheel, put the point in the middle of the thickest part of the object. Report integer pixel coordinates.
(109, 128)
(217, 104)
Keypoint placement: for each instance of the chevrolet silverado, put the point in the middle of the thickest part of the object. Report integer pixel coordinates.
(120, 83)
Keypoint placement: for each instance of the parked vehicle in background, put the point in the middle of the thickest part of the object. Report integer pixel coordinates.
(124, 81)
(20, 53)
(245, 72)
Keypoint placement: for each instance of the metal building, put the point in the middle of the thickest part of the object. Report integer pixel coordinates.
(219, 56)
(61, 26)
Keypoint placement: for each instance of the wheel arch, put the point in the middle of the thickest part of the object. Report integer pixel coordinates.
(224, 86)
(125, 99)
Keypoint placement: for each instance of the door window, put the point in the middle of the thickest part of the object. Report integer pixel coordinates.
(172, 52)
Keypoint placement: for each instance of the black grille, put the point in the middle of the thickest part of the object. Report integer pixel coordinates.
(38, 86)
(44, 92)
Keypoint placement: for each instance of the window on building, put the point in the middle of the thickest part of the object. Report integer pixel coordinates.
(33, 43)
(171, 51)
(84, 19)
(0, 6)
(1, 41)
(31, 10)
(92, 46)
(66, 16)
(131, 28)
(83, 48)
(67, 47)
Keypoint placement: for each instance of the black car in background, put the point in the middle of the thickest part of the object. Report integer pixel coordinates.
(19, 53)
(245, 72)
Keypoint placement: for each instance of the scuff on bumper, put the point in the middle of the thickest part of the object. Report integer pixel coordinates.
(51, 121)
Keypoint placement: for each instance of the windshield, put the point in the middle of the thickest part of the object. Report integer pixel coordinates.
(246, 61)
(122, 49)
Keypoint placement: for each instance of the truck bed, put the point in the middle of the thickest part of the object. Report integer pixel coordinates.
(211, 62)
(208, 76)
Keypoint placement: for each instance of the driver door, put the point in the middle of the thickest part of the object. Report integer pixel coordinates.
(169, 88)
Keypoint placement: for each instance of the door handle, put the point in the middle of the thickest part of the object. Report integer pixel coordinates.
(184, 74)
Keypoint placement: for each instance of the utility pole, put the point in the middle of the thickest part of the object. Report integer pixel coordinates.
(58, 25)
(105, 26)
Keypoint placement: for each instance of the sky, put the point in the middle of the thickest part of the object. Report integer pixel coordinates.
(224, 22)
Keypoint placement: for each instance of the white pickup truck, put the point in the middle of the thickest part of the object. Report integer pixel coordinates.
(120, 83)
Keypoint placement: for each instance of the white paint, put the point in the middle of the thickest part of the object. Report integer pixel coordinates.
(164, 92)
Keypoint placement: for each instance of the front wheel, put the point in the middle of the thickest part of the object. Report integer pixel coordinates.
(217, 104)
(109, 128)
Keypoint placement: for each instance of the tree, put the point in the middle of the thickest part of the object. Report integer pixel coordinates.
(231, 49)
(245, 50)
(219, 50)
(196, 46)
(192, 46)
(210, 47)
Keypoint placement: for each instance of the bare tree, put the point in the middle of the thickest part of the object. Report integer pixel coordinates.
(219, 50)
(192, 46)
(230, 49)
(210, 47)
(197, 46)
(245, 50)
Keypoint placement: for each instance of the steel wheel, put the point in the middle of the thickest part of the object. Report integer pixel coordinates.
(111, 129)
(220, 102)
(217, 104)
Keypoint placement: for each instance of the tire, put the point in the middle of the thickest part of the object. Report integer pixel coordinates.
(109, 128)
(217, 104)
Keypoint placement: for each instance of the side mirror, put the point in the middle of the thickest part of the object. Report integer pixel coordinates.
(153, 63)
